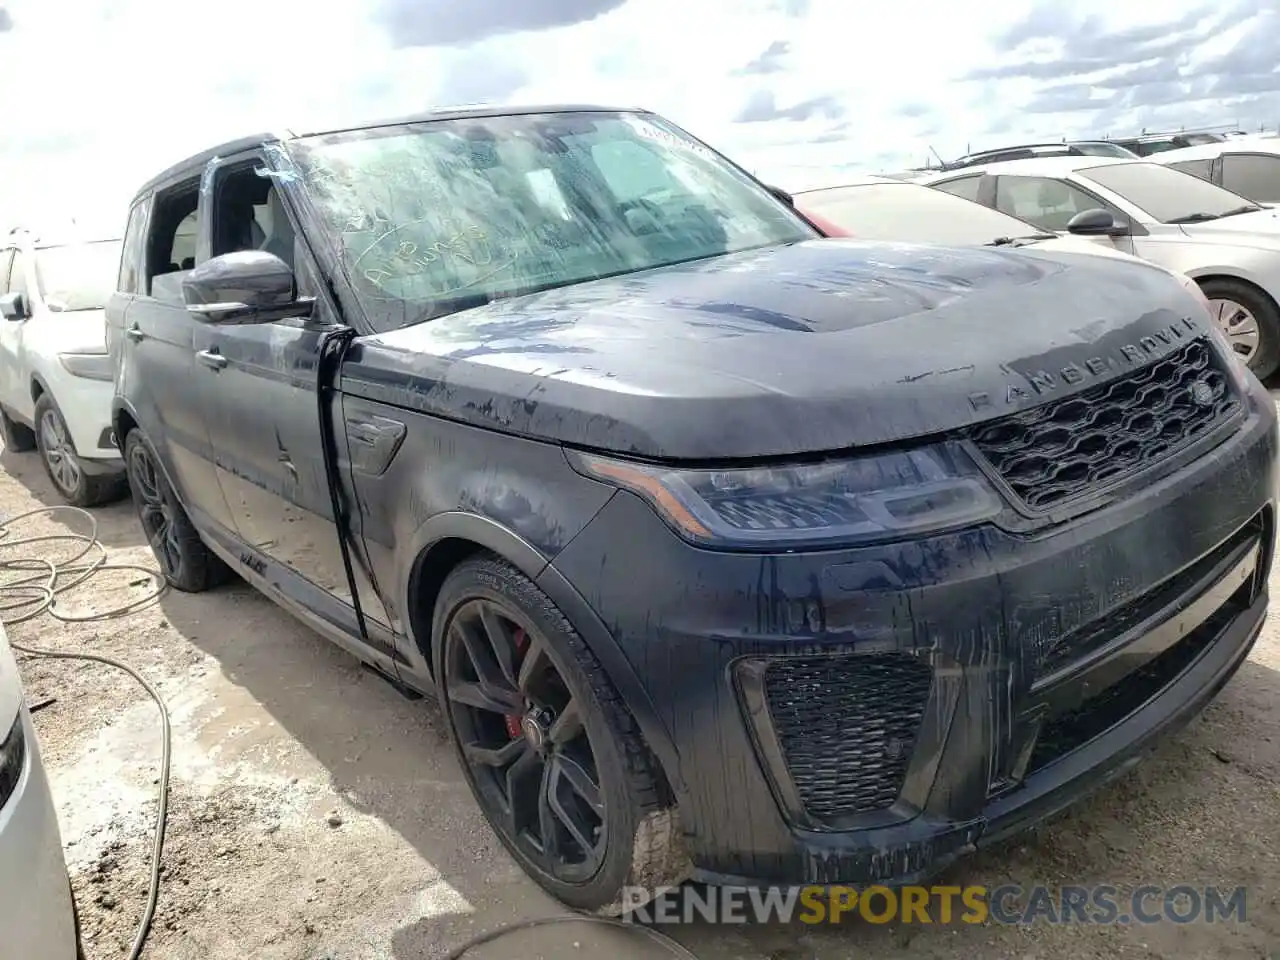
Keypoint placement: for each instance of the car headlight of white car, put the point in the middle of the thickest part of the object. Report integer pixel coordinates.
(91, 366)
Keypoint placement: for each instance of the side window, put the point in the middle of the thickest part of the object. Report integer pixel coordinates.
(965, 187)
(172, 209)
(1044, 201)
(1197, 168)
(248, 213)
(132, 250)
(1252, 175)
(6, 261)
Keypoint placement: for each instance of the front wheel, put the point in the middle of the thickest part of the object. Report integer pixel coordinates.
(185, 561)
(1250, 321)
(62, 463)
(551, 753)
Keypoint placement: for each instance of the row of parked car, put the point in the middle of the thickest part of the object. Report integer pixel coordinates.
(728, 525)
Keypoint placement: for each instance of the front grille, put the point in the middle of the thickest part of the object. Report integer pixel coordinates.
(1098, 714)
(1053, 453)
(1065, 650)
(846, 726)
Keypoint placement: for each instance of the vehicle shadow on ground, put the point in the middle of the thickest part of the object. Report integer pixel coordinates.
(1173, 819)
(118, 526)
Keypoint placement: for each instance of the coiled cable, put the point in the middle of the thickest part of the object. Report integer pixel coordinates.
(30, 586)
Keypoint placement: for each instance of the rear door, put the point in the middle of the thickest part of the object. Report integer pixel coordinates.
(158, 365)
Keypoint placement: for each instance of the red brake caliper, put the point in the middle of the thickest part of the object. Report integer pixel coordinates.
(513, 720)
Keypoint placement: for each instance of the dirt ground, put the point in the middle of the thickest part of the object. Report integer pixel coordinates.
(315, 813)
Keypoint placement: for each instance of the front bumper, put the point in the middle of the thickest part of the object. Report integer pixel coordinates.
(36, 914)
(1052, 662)
(86, 408)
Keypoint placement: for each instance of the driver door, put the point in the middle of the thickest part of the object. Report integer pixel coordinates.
(264, 410)
(1050, 203)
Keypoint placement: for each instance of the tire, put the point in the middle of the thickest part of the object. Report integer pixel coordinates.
(187, 564)
(639, 828)
(18, 437)
(62, 463)
(1266, 358)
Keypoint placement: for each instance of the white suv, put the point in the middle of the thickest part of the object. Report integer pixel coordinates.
(37, 912)
(55, 373)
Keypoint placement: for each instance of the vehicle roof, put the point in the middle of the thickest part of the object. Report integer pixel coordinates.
(1172, 135)
(1033, 167)
(198, 160)
(1207, 151)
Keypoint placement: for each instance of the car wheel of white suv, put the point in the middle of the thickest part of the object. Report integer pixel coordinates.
(58, 454)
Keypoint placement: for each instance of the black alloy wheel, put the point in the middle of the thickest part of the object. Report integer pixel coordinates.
(522, 735)
(555, 759)
(185, 561)
(155, 510)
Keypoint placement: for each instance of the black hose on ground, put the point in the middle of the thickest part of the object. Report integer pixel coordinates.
(35, 591)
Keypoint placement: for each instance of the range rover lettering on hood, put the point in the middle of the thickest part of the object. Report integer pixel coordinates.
(1125, 355)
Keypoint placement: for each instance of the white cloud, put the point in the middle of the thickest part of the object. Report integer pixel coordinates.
(101, 95)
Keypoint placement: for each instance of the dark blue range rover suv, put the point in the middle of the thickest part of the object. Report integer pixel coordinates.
(726, 548)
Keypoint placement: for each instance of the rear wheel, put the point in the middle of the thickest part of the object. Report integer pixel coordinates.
(552, 755)
(185, 561)
(62, 463)
(1250, 321)
(18, 437)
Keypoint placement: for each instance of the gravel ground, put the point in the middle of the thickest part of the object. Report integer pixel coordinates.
(315, 813)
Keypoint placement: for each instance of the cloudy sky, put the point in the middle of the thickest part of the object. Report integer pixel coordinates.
(101, 94)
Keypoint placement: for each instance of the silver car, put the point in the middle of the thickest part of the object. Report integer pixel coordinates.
(37, 915)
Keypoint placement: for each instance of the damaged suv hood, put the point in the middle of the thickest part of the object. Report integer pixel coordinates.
(817, 346)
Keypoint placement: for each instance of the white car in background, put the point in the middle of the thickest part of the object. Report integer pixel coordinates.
(37, 912)
(55, 373)
(883, 208)
(1227, 243)
(1249, 166)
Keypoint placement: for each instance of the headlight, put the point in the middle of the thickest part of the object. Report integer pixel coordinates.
(13, 754)
(851, 501)
(92, 366)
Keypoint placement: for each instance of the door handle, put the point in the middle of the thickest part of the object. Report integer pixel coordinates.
(212, 359)
(135, 333)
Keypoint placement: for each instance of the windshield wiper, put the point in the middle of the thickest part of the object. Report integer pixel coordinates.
(1247, 208)
(1013, 241)
(1197, 217)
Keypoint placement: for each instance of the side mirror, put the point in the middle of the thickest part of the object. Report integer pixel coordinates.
(1097, 223)
(13, 306)
(782, 195)
(248, 286)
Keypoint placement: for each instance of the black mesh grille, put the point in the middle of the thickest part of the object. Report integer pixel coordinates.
(1063, 449)
(847, 726)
